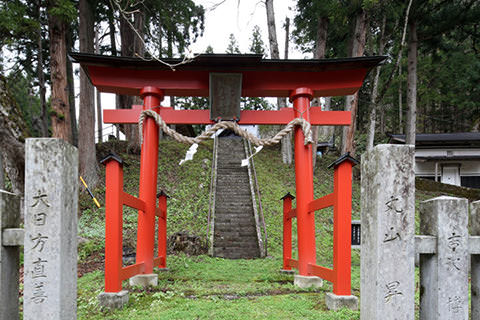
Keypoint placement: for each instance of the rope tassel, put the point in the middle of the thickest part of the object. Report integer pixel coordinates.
(304, 124)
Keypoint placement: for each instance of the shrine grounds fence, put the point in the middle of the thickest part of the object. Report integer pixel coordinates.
(447, 250)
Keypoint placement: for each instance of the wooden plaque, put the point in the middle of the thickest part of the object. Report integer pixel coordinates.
(225, 92)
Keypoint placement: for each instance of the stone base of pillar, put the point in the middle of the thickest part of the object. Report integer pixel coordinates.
(162, 269)
(113, 300)
(307, 281)
(287, 271)
(335, 302)
(144, 280)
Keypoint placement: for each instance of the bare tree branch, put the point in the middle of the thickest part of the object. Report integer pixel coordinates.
(124, 13)
(399, 56)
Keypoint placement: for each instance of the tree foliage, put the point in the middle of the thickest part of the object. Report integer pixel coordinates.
(232, 47)
(448, 58)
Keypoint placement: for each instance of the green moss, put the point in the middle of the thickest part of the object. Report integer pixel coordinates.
(442, 188)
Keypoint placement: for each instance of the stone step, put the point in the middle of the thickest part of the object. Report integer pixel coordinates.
(243, 231)
(235, 234)
(228, 217)
(235, 251)
(242, 199)
(229, 177)
(247, 238)
(233, 218)
(223, 225)
(238, 224)
(233, 200)
(233, 213)
(230, 192)
(244, 206)
(225, 246)
(232, 187)
(224, 214)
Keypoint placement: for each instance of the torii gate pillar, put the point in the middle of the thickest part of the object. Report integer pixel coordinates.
(304, 184)
(148, 187)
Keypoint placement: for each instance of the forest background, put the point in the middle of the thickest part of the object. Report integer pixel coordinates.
(429, 82)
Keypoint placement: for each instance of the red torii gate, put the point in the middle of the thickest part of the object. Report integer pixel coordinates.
(300, 80)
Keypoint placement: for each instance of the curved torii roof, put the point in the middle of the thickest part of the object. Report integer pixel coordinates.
(260, 77)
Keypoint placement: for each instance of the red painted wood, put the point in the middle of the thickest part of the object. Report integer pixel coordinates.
(292, 213)
(148, 182)
(132, 201)
(321, 203)
(254, 83)
(158, 261)
(162, 232)
(287, 232)
(304, 185)
(342, 224)
(113, 226)
(160, 213)
(293, 263)
(322, 272)
(130, 271)
(247, 117)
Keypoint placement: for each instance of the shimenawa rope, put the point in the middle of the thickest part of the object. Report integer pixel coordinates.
(305, 125)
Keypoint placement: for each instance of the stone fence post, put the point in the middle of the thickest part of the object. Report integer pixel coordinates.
(50, 244)
(388, 225)
(9, 254)
(444, 275)
(475, 260)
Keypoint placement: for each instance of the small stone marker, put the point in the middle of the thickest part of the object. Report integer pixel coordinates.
(9, 256)
(475, 260)
(50, 244)
(388, 225)
(444, 275)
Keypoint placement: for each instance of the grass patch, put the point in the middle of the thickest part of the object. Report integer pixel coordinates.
(203, 287)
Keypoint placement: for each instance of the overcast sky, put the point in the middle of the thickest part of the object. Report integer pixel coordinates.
(239, 17)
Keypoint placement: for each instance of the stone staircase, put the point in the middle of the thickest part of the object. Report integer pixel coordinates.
(235, 234)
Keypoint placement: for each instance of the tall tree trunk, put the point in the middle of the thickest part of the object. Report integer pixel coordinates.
(272, 30)
(127, 37)
(61, 125)
(412, 84)
(373, 98)
(275, 54)
(139, 24)
(88, 166)
(319, 53)
(111, 27)
(13, 158)
(113, 48)
(98, 95)
(2, 174)
(286, 144)
(12, 132)
(139, 51)
(41, 76)
(272, 39)
(351, 102)
(287, 38)
(400, 102)
(71, 89)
